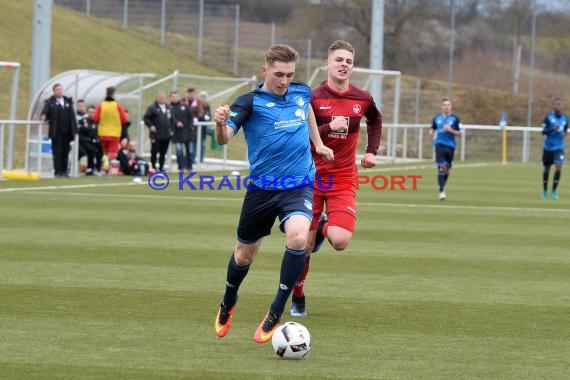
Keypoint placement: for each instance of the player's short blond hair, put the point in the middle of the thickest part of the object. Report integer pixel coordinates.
(281, 53)
(341, 45)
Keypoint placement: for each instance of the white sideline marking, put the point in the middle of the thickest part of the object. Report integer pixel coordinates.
(379, 168)
(85, 186)
(141, 196)
(464, 207)
(96, 185)
(373, 204)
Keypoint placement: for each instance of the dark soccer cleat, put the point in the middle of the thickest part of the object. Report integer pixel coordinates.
(223, 321)
(320, 238)
(298, 307)
(267, 327)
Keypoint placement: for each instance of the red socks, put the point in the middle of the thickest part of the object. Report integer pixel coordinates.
(298, 290)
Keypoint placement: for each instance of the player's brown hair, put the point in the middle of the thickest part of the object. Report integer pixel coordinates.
(281, 53)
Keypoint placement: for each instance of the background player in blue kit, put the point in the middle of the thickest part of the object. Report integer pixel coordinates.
(446, 127)
(554, 129)
(277, 121)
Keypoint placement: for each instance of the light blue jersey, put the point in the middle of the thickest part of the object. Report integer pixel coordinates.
(442, 137)
(554, 139)
(276, 131)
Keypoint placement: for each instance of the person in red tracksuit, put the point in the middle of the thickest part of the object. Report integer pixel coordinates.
(338, 107)
(110, 117)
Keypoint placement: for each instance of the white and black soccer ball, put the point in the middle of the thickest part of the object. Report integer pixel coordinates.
(291, 340)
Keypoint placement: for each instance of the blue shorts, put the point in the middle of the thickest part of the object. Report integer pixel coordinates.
(261, 207)
(444, 155)
(550, 157)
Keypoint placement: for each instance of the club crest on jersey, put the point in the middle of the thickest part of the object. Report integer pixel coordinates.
(356, 108)
(299, 101)
(300, 113)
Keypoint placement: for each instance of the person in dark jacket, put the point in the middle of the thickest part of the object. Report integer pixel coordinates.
(89, 143)
(203, 113)
(130, 162)
(158, 118)
(59, 113)
(184, 133)
(125, 130)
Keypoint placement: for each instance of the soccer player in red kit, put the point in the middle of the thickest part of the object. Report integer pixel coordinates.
(338, 107)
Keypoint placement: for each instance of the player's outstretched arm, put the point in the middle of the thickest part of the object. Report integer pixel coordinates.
(223, 131)
(326, 153)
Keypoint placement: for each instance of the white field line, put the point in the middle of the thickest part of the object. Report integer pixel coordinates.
(360, 204)
(464, 207)
(380, 168)
(96, 185)
(177, 198)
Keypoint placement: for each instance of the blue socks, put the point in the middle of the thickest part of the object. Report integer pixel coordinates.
(441, 178)
(556, 179)
(292, 266)
(235, 276)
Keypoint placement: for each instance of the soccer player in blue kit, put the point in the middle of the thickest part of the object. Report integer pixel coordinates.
(555, 130)
(278, 125)
(446, 127)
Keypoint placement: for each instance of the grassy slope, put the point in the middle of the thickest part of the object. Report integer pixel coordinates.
(82, 43)
(123, 282)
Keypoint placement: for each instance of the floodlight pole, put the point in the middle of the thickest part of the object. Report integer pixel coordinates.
(526, 138)
(41, 46)
(451, 51)
(200, 30)
(236, 39)
(377, 48)
(162, 22)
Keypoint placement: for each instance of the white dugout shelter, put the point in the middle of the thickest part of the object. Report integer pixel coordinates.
(89, 85)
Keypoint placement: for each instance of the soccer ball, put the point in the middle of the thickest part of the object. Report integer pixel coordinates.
(291, 340)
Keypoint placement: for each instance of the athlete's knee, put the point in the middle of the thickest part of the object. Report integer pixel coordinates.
(339, 240)
(245, 253)
(297, 241)
(340, 245)
(241, 259)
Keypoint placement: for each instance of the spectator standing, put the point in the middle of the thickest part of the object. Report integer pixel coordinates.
(203, 113)
(184, 133)
(158, 118)
(59, 114)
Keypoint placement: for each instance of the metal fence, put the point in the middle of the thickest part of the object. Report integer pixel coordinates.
(410, 142)
(214, 34)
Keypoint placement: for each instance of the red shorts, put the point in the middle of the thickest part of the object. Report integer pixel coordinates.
(110, 144)
(340, 205)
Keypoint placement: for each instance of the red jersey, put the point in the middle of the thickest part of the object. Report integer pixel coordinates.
(352, 104)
